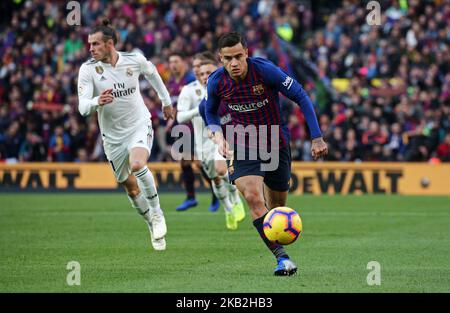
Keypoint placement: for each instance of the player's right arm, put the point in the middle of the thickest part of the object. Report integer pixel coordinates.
(87, 103)
(184, 111)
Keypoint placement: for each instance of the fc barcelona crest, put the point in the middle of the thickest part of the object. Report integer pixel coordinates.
(99, 70)
(129, 72)
(258, 89)
(198, 92)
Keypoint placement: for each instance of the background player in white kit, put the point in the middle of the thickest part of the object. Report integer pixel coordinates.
(212, 162)
(109, 84)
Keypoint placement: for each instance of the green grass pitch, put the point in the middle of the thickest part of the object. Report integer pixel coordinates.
(41, 233)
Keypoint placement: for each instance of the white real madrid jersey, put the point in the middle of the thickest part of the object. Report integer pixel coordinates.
(120, 118)
(188, 101)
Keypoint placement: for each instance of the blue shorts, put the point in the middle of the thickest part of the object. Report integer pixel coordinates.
(277, 179)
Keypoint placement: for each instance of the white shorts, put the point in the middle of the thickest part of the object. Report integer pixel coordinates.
(208, 161)
(118, 155)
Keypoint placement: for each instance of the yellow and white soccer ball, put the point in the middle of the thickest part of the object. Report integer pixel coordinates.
(282, 225)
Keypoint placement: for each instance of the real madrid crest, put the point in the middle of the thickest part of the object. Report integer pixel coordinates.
(258, 89)
(99, 70)
(129, 72)
(198, 92)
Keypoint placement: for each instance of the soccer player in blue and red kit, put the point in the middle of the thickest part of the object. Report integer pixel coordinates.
(244, 93)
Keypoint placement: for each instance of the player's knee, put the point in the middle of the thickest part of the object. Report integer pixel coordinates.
(132, 191)
(221, 169)
(254, 199)
(136, 165)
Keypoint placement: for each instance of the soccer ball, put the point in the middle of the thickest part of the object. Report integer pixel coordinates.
(282, 225)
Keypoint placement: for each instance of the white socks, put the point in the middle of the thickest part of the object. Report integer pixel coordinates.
(234, 193)
(146, 183)
(141, 205)
(221, 193)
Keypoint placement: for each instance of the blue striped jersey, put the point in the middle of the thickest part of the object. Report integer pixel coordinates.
(255, 101)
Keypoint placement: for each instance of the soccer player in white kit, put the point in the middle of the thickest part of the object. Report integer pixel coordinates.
(212, 162)
(109, 85)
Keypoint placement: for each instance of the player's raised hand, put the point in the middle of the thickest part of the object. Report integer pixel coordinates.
(319, 148)
(105, 97)
(168, 112)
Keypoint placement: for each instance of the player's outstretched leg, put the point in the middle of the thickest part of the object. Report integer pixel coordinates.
(146, 183)
(144, 178)
(252, 188)
(140, 203)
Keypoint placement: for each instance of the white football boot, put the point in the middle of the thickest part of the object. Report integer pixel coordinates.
(158, 223)
(158, 244)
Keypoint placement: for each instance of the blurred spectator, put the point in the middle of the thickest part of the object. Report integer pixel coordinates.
(82, 156)
(443, 151)
(180, 75)
(32, 149)
(93, 142)
(296, 138)
(352, 149)
(59, 146)
(395, 143)
(11, 142)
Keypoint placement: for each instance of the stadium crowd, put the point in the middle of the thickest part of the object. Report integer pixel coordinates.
(393, 104)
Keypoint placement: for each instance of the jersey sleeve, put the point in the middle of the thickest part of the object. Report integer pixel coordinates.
(288, 86)
(184, 104)
(212, 103)
(87, 104)
(150, 72)
(202, 110)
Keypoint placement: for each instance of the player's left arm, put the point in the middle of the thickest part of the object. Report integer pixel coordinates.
(151, 74)
(212, 102)
(202, 111)
(289, 87)
(184, 104)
